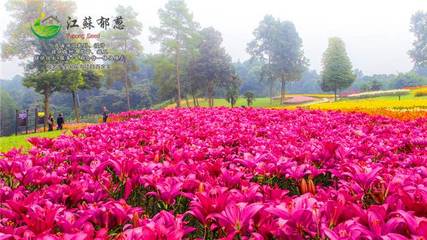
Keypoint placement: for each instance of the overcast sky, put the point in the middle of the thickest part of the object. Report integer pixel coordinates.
(376, 32)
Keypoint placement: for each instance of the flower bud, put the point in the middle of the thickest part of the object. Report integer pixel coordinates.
(303, 186)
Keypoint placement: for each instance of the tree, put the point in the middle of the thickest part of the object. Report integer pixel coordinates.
(124, 42)
(249, 72)
(191, 84)
(373, 85)
(164, 76)
(141, 93)
(419, 52)
(358, 73)
(22, 44)
(409, 79)
(213, 66)
(176, 30)
(250, 96)
(45, 83)
(337, 70)
(40, 77)
(288, 57)
(371, 82)
(196, 85)
(309, 83)
(232, 93)
(7, 113)
(74, 80)
(376, 85)
(19, 41)
(262, 49)
(23, 96)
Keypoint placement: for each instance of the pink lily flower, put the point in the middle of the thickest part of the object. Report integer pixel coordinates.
(236, 218)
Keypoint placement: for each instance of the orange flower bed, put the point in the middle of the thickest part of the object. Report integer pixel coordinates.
(416, 87)
(398, 114)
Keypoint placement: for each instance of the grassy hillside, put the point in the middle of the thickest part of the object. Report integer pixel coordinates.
(7, 143)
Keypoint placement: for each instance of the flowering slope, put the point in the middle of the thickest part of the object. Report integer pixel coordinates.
(221, 173)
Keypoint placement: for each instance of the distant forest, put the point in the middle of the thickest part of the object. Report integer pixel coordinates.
(144, 93)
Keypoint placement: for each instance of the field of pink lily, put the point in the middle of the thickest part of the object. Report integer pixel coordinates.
(221, 173)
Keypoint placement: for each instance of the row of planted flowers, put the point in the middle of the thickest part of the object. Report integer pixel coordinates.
(405, 109)
(405, 114)
(222, 173)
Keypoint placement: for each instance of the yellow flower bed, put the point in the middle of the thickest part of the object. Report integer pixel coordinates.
(420, 92)
(372, 104)
(405, 109)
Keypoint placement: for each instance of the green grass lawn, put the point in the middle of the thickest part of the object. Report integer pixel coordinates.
(258, 102)
(221, 102)
(7, 143)
(265, 101)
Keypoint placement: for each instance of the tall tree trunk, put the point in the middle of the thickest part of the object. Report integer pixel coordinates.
(194, 100)
(127, 92)
(186, 101)
(270, 79)
(46, 107)
(197, 101)
(210, 94)
(282, 90)
(271, 92)
(335, 94)
(75, 106)
(127, 80)
(178, 83)
(335, 90)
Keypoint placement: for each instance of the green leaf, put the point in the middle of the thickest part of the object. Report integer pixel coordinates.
(46, 32)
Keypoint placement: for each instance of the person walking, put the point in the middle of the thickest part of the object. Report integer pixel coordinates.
(104, 114)
(60, 121)
(50, 122)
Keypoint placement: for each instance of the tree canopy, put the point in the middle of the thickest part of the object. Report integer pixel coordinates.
(177, 31)
(337, 71)
(278, 47)
(212, 68)
(125, 43)
(419, 51)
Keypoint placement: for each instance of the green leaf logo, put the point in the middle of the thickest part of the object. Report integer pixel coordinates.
(42, 30)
